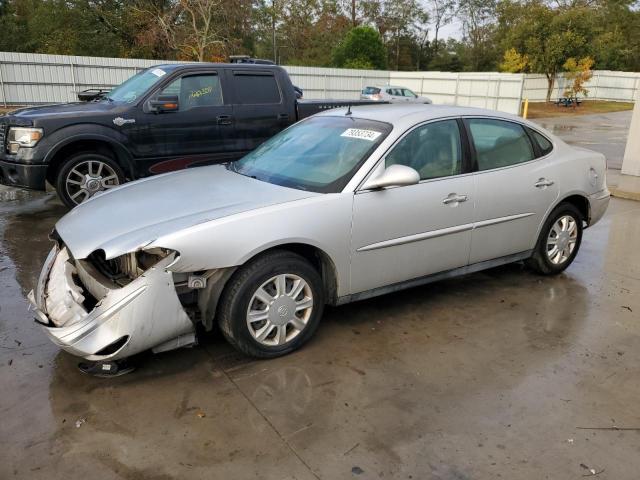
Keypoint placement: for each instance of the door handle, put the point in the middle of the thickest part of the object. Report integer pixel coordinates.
(283, 116)
(224, 119)
(454, 198)
(543, 183)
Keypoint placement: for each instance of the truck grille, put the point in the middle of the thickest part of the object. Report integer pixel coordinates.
(3, 134)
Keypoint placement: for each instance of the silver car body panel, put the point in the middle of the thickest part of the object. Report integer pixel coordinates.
(135, 214)
(385, 96)
(375, 240)
(143, 314)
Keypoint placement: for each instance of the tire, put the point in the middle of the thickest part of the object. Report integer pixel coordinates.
(545, 260)
(244, 315)
(84, 174)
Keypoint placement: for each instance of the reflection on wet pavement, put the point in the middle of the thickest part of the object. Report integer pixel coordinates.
(481, 377)
(604, 133)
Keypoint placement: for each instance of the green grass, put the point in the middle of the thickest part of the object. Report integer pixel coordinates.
(543, 109)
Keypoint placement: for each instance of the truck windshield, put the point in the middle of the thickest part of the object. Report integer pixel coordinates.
(132, 89)
(319, 154)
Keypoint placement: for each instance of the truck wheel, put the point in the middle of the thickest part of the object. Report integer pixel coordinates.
(84, 175)
(272, 305)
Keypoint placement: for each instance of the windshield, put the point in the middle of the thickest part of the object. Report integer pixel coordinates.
(136, 86)
(319, 154)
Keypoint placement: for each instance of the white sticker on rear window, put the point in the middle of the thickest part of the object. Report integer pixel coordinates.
(369, 135)
(158, 72)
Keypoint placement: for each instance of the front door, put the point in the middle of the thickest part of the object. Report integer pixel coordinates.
(195, 134)
(409, 232)
(514, 189)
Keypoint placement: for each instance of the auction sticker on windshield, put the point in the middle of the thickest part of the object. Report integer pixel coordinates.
(369, 135)
(158, 72)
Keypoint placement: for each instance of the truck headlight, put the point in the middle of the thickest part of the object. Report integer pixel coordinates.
(23, 137)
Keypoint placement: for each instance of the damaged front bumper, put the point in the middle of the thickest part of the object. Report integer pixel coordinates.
(91, 317)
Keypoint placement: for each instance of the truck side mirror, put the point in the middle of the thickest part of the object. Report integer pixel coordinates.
(165, 103)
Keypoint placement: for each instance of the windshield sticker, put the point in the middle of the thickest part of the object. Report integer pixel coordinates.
(158, 72)
(369, 135)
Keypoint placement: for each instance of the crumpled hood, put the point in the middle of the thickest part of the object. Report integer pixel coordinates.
(134, 215)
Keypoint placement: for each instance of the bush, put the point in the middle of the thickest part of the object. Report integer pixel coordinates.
(361, 47)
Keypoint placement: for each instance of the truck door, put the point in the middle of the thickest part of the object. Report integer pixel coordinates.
(197, 133)
(260, 109)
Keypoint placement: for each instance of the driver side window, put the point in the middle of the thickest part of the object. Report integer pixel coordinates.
(195, 91)
(434, 150)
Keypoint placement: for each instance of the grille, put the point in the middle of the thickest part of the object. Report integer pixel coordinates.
(3, 134)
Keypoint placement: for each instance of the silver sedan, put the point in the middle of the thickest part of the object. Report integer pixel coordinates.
(345, 205)
(392, 94)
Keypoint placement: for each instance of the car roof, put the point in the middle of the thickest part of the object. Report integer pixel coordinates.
(204, 65)
(401, 114)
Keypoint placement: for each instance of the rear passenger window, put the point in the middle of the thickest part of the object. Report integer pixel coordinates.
(543, 142)
(256, 89)
(499, 143)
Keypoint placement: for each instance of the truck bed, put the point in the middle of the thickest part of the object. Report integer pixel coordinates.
(306, 108)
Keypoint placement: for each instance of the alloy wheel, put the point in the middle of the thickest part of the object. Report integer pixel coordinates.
(88, 178)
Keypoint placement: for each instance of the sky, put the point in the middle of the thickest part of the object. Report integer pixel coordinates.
(453, 30)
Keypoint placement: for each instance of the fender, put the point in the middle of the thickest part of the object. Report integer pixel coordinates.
(559, 200)
(67, 136)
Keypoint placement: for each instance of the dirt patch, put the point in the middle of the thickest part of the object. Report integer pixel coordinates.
(545, 110)
(7, 109)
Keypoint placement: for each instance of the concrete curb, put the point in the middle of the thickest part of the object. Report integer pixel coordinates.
(621, 193)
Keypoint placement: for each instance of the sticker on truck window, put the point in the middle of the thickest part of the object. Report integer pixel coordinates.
(369, 135)
(201, 92)
(158, 72)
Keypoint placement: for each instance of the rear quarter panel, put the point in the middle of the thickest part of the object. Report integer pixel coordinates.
(577, 171)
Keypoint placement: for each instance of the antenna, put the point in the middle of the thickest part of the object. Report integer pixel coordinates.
(348, 110)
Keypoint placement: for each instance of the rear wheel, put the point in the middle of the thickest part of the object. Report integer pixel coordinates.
(559, 241)
(272, 305)
(84, 175)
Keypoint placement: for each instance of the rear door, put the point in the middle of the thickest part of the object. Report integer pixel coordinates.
(195, 134)
(259, 107)
(514, 188)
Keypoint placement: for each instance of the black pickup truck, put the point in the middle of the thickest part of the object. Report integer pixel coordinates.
(164, 118)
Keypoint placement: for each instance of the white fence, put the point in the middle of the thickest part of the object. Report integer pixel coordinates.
(604, 85)
(28, 79)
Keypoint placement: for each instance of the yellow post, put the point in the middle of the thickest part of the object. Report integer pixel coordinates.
(525, 110)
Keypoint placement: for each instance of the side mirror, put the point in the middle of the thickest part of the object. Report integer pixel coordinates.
(165, 103)
(393, 176)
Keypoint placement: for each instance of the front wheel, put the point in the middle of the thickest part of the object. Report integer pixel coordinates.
(84, 175)
(559, 241)
(272, 305)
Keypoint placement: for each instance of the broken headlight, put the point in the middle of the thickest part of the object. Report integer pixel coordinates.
(125, 268)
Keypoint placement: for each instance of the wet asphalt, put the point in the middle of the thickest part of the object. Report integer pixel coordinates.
(493, 375)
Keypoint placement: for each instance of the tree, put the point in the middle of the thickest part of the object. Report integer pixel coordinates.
(514, 62)
(194, 27)
(478, 26)
(441, 13)
(578, 73)
(546, 37)
(361, 46)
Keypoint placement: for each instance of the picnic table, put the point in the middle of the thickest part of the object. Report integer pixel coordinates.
(568, 101)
